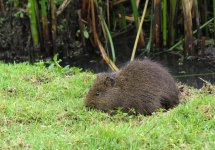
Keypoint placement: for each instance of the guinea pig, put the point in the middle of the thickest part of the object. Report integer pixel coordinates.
(142, 86)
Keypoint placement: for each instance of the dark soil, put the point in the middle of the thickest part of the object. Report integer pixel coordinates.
(15, 35)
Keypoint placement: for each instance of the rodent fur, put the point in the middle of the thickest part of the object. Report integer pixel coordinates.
(141, 85)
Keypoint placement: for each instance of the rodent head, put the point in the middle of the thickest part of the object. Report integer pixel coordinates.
(101, 94)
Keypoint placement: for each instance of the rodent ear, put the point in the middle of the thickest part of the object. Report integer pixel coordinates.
(109, 81)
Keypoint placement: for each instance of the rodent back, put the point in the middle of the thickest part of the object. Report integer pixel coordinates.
(148, 80)
(148, 73)
(144, 85)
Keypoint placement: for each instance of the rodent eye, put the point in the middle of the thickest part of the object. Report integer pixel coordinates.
(97, 93)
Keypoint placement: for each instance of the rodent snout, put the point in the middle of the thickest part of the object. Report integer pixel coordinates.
(89, 104)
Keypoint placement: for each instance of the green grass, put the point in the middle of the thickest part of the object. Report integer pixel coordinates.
(42, 108)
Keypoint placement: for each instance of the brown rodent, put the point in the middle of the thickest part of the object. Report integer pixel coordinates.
(142, 85)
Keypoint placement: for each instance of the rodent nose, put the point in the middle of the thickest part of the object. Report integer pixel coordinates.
(89, 105)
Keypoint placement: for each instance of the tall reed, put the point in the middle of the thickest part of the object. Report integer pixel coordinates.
(33, 12)
(45, 27)
(164, 22)
(172, 16)
(214, 18)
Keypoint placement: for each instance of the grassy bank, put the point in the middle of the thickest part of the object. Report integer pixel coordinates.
(42, 108)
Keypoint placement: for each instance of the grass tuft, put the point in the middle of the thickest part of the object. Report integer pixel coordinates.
(42, 108)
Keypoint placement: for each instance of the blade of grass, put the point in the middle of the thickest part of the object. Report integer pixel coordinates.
(122, 12)
(33, 20)
(141, 41)
(148, 47)
(1, 5)
(96, 39)
(164, 10)
(45, 22)
(110, 40)
(53, 25)
(181, 41)
(173, 4)
(135, 12)
(157, 23)
(139, 30)
(205, 5)
(114, 21)
(196, 9)
(188, 27)
(93, 21)
(108, 12)
(214, 18)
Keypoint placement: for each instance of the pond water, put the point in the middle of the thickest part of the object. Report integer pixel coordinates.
(189, 72)
(193, 71)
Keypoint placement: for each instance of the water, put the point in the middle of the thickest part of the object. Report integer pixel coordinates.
(189, 72)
